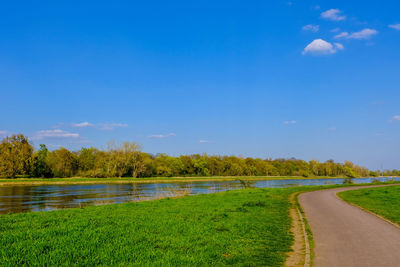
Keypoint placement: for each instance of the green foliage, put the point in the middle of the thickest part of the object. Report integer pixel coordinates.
(373, 173)
(241, 227)
(384, 201)
(62, 162)
(126, 160)
(41, 167)
(16, 156)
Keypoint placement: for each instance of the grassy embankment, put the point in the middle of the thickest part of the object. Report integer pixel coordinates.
(384, 201)
(240, 227)
(84, 180)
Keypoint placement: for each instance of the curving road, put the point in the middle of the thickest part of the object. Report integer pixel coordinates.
(345, 235)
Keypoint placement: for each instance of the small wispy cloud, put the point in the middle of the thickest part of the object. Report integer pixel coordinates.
(100, 126)
(204, 141)
(335, 30)
(338, 46)
(361, 35)
(332, 128)
(395, 26)
(290, 122)
(333, 14)
(341, 35)
(57, 133)
(311, 28)
(82, 124)
(160, 136)
(395, 118)
(322, 47)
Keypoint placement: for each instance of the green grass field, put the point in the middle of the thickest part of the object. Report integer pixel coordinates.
(384, 201)
(240, 227)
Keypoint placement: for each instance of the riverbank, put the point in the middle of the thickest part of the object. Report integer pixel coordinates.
(84, 180)
(239, 227)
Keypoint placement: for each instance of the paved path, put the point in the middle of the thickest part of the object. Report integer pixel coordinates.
(345, 235)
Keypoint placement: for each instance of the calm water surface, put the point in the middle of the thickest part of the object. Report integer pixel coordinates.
(25, 198)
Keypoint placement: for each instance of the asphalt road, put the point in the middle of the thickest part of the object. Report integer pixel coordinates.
(345, 235)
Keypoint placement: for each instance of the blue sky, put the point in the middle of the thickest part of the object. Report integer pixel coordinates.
(305, 79)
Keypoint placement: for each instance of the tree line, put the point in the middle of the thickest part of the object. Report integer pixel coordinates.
(18, 157)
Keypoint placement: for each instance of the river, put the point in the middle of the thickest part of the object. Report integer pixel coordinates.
(27, 198)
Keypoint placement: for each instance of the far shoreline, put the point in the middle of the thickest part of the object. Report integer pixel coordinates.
(127, 180)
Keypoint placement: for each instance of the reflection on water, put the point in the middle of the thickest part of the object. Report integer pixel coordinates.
(24, 198)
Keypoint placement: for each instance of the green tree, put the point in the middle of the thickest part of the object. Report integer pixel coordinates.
(41, 168)
(62, 162)
(125, 160)
(16, 156)
(200, 166)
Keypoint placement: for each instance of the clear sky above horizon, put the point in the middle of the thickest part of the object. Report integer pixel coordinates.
(305, 79)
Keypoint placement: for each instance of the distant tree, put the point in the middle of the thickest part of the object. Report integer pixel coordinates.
(87, 158)
(188, 167)
(16, 156)
(41, 167)
(349, 172)
(314, 167)
(127, 160)
(102, 165)
(200, 166)
(62, 162)
(373, 174)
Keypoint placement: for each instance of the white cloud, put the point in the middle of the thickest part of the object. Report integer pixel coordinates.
(339, 46)
(311, 27)
(54, 134)
(395, 26)
(396, 118)
(364, 34)
(335, 30)
(332, 128)
(333, 14)
(290, 122)
(322, 47)
(204, 141)
(82, 124)
(160, 136)
(341, 35)
(100, 126)
(361, 35)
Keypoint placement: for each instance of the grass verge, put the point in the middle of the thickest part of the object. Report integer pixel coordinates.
(383, 201)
